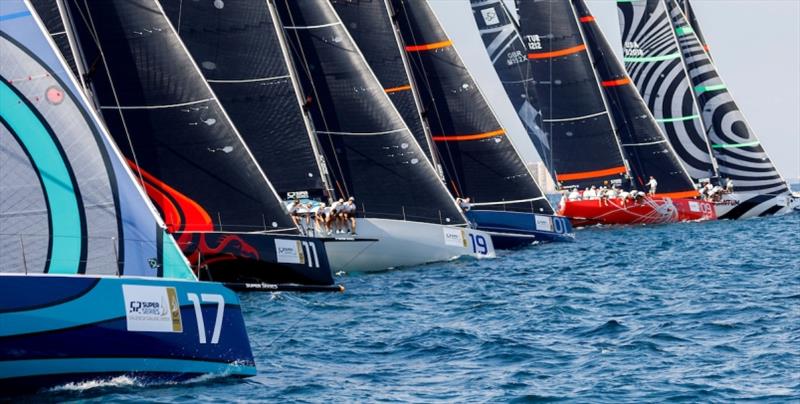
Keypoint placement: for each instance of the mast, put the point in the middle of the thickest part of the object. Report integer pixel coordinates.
(372, 154)
(319, 157)
(585, 147)
(648, 151)
(480, 160)
(736, 147)
(655, 64)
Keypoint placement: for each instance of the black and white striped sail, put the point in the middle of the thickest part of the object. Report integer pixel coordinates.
(585, 150)
(653, 60)
(500, 34)
(736, 148)
(370, 152)
(371, 27)
(68, 202)
(477, 155)
(646, 149)
(236, 46)
(168, 122)
(688, 11)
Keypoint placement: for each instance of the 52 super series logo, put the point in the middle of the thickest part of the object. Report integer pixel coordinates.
(152, 308)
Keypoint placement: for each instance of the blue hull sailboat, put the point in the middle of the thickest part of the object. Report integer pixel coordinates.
(91, 284)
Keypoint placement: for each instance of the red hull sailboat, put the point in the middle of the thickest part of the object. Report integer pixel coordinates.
(649, 210)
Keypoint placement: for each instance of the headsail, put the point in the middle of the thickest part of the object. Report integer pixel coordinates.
(688, 11)
(478, 157)
(371, 26)
(653, 60)
(507, 51)
(647, 150)
(168, 123)
(68, 205)
(236, 45)
(371, 153)
(584, 147)
(737, 149)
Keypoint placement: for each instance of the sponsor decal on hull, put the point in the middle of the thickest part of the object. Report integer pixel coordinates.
(152, 308)
(455, 237)
(543, 223)
(290, 251)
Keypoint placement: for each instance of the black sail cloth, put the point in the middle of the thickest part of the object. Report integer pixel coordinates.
(647, 150)
(167, 122)
(371, 153)
(584, 146)
(478, 158)
(236, 46)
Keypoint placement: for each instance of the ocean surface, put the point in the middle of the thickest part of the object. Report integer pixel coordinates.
(692, 312)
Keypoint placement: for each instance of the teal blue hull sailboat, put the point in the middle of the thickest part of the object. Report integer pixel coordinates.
(91, 285)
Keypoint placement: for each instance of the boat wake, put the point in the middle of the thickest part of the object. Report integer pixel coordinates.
(115, 382)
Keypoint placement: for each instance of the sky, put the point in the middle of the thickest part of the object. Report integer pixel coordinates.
(755, 43)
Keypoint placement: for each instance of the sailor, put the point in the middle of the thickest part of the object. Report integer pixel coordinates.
(708, 190)
(319, 216)
(652, 184)
(332, 219)
(591, 193)
(295, 213)
(349, 214)
(464, 204)
(729, 186)
(624, 195)
(574, 195)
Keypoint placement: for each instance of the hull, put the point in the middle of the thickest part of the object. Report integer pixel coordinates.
(396, 243)
(67, 329)
(745, 205)
(655, 210)
(257, 258)
(518, 229)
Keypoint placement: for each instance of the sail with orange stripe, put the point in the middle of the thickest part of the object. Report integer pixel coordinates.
(584, 149)
(644, 145)
(478, 157)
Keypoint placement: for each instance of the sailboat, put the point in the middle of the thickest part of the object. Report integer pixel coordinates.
(753, 185)
(418, 66)
(370, 153)
(607, 123)
(188, 155)
(240, 51)
(92, 285)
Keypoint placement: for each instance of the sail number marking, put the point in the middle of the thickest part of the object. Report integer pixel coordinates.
(198, 313)
(479, 245)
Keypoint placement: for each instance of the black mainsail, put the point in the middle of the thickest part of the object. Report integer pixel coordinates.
(653, 60)
(168, 123)
(736, 148)
(584, 146)
(370, 152)
(501, 38)
(237, 48)
(647, 150)
(51, 15)
(478, 157)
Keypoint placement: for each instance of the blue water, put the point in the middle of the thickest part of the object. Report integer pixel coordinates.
(689, 312)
